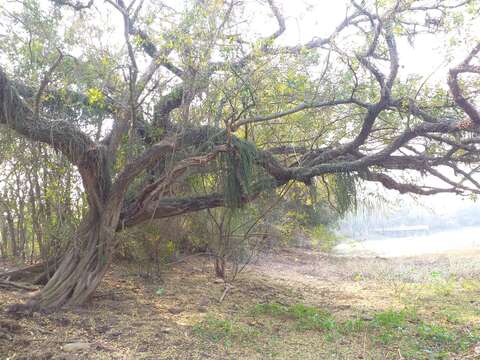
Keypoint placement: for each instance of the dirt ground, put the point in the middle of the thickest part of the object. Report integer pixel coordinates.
(178, 315)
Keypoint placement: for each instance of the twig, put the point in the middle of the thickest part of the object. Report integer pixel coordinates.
(44, 83)
(227, 289)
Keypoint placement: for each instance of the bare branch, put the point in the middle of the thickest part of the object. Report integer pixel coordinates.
(281, 24)
(389, 183)
(460, 100)
(44, 83)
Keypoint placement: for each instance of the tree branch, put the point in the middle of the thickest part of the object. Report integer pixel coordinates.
(61, 135)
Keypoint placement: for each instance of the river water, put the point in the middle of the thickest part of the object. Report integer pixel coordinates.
(462, 239)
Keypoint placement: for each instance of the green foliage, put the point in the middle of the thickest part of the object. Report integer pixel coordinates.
(274, 309)
(304, 222)
(345, 191)
(153, 246)
(354, 326)
(324, 238)
(402, 329)
(306, 317)
(390, 319)
(216, 330)
(160, 291)
(239, 172)
(96, 97)
(436, 333)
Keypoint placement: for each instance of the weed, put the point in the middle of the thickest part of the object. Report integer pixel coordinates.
(444, 287)
(160, 291)
(306, 317)
(390, 319)
(469, 285)
(390, 329)
(353, 326)
(217, 330)
(310, 318)
(436, 333)
(273, 309)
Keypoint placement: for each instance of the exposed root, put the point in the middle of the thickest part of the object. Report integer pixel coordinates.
(7, 284)
(20, 310)
(81, 269)
(35, 274)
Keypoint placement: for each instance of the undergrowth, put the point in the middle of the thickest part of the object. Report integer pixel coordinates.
(402, 330)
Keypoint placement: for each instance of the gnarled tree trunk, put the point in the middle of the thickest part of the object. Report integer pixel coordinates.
(90, 251)
(84, 264)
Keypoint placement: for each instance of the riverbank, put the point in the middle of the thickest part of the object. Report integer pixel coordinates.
(459, 240)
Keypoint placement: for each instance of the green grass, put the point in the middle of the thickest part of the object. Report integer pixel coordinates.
(386, 331)
(391, 319)
(224, 330)
(306, 317)
(436, 319)
(436, 334)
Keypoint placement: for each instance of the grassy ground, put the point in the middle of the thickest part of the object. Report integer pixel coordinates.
(292, 305)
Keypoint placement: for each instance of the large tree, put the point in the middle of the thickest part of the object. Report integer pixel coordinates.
(141, 95)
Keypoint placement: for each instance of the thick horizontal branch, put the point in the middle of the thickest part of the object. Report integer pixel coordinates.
(149, 196)
(174, 206)
(337, 162)
(61, 135)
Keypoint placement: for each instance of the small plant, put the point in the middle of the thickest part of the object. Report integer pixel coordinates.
(390, 319)
(436, 275)
(470, 285)
(309, 318)
(160, 291)
(353, 326)
(306, 317)
(391, 324)
(451, 315)
(444, 288)
(228, 331)
(357, 277)
(436, 333)
(214, 329)
(274, 309)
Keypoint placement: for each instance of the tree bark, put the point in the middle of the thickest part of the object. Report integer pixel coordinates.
(3, 238)
(12, 232)
(83, 265)
(220, 267)
(90, 251)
